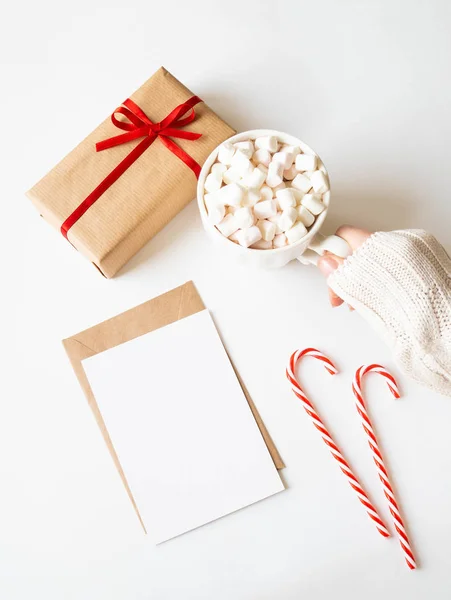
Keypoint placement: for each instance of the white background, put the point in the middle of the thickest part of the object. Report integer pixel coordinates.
(367, 85)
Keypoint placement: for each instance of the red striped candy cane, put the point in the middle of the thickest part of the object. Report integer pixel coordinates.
(377, 455)
(335, 451)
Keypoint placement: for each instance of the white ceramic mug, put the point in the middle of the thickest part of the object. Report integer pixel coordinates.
(307, 250)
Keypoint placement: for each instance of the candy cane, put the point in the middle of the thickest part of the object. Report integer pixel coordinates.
(299, 393)
(377, 455)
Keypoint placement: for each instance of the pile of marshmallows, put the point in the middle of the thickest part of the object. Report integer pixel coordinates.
(262, 194)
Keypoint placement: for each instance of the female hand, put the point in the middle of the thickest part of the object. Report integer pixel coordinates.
(329, 262)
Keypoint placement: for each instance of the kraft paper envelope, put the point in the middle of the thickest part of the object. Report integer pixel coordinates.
(177, 304)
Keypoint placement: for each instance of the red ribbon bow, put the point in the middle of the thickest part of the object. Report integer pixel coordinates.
(140, 126)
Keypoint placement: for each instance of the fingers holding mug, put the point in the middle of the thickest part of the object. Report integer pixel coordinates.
(329, 262)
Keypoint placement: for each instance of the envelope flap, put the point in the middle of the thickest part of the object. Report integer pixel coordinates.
(153, 314)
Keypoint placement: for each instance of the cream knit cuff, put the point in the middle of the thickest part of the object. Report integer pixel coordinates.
(400, 282)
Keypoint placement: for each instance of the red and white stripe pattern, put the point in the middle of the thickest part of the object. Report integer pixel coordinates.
(377, 455)
(335, 451)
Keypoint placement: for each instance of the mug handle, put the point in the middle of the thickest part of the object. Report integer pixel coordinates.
(321, 243)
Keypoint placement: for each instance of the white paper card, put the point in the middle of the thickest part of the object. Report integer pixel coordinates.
(181, 426)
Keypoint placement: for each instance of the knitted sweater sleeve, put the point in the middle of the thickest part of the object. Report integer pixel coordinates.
(400, 282)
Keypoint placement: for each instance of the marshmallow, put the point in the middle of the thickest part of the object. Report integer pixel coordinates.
(251, 198)
(234, 237)
(263, 169)
(247, 148)
(241, 163)
(275, 220)
(301, 182)
(225, 153)
(306, 162)
(266, 193)
(228, 225)
(295, 150)
(247, 237)
(286, 158)
(267, 143)
(285, 198)
(281, 186)
(244, 217)
(262, 245)
(288, 219)
(231, 176)
(230, 195)
(305, 216)
(218, 170)
(297, 194)
(212, 183)
(255, 179)
(280, 240)
(296, 232)
(215, 209)
(275, 174)
(265, 209)
(290, 173)
(262, 156)
(267, 229)
(312, 202)
(319, 182)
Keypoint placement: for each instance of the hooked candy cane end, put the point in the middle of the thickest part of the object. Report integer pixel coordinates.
(394, 390)
(331, 369)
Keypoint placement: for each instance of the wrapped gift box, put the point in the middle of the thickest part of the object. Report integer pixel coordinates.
(132, 174)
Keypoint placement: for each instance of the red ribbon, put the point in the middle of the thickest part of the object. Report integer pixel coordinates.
(140, 126)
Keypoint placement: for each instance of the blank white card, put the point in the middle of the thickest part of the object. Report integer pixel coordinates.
(181, 426)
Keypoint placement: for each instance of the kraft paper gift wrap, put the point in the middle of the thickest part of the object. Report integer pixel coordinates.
(146, 196)
(176, 304)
